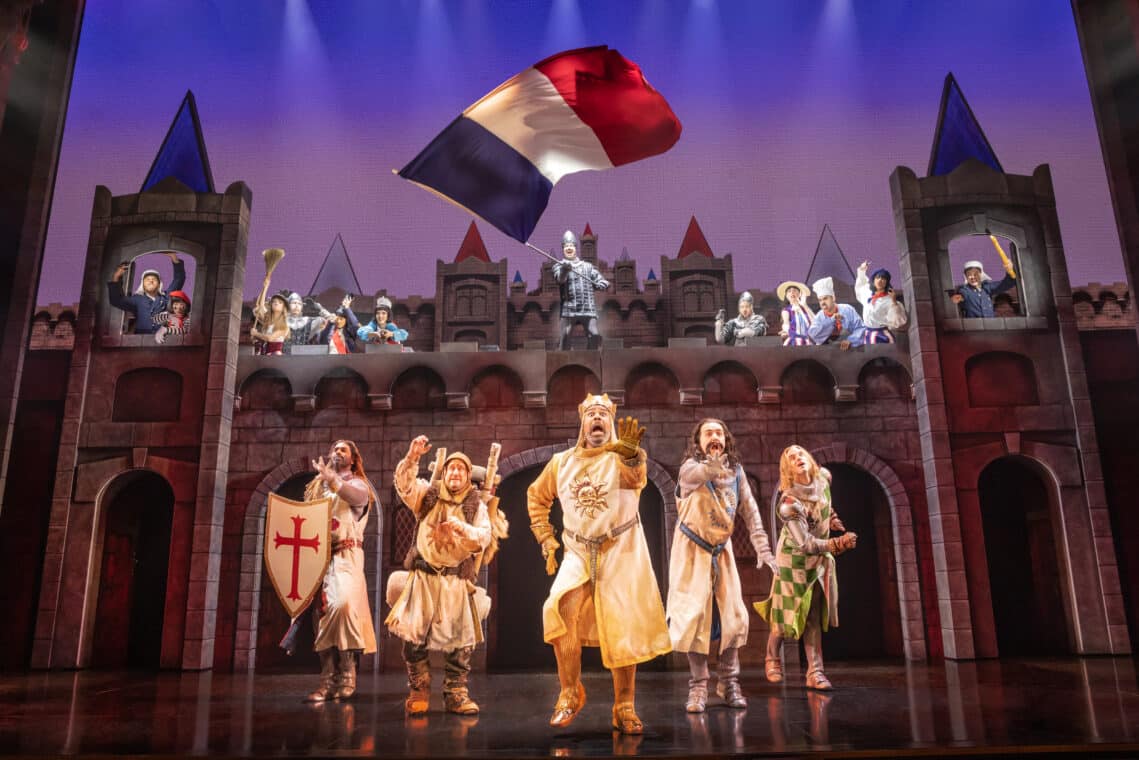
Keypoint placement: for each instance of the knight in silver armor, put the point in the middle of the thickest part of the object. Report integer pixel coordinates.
(303, 330)
(578, 279)
(747, 324)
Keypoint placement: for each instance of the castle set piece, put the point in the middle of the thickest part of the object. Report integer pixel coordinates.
(650, 523)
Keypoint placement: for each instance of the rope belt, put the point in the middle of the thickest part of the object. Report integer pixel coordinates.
(346, 545)
(713, 549)
(598, 543)
(420, 564)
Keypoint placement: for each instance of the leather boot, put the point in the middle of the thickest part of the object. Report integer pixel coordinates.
(728, 682)
(773, 665)
(346, 674)
(698, 683)
(457, 668)
(327, 688)
(418, 680)
(813, 647)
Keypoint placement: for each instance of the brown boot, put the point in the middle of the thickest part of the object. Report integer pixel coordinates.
(327, 687)
(457, 667)
(346, 674)
(418, 686)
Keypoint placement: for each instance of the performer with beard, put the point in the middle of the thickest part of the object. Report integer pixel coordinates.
(304, 330)
(705, 601)
(436, 605)
(804, 593)
(342, 615)
(605, 593)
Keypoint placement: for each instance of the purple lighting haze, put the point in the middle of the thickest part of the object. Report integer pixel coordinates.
(794, 116)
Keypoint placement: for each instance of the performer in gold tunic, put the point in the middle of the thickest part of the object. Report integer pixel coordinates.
(605, 594)
(805, 556)
(342, 615)
(436, 605)
(705, 601)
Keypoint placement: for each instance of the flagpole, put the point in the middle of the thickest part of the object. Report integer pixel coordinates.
(572, 271)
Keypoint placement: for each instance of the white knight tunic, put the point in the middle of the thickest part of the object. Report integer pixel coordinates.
(604, 543)
(702, 566)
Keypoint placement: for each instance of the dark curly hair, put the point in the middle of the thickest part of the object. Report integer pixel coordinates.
(695, 452)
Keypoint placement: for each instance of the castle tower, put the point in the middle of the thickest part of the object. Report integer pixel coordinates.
(1017, 512)
(697, 284)
(133, 553)
(471, 293)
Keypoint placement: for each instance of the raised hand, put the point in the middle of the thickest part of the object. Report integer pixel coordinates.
(836, 523)
(420, 445)
(629, 434)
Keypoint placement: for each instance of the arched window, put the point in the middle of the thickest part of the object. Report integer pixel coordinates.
(470, 301)
(698, 296)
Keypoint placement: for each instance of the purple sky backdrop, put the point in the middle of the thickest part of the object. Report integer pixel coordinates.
(794, 115)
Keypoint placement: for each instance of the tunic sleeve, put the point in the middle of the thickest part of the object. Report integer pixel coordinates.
(356, 492)
(540, 497)
(633, 472)
(411, 489)
(692, 476)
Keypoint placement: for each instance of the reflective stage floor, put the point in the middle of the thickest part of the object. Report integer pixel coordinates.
(1069, 706)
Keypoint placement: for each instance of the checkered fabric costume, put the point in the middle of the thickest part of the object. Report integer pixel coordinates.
(800, 574)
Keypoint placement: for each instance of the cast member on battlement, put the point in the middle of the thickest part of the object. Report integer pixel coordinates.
(605, 593)
(435, 604)
(176, 321)
(705, 601)
(835, 322)
(747, 324)
(340, 332)
(796, 317)
(975, 298)
(270, 329)
(149, 300)
(804, 593)
(881, 311)
(578, 279)
(381, 329)
(341, 613)
(304, 330)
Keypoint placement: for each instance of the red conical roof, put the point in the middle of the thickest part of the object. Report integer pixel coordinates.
(588, 230)
(472, 247)
(694, 242)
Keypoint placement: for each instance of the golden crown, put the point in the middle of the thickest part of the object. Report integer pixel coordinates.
(591, 401)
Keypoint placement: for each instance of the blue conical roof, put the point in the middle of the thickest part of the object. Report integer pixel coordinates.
(183, 152)
(959, 135)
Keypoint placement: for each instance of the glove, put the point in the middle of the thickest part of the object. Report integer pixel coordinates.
(549, 551)
(842, 544)
(629, 435)
(721, 315)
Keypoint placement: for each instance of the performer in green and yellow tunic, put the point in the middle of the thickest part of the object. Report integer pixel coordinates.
(805, 559)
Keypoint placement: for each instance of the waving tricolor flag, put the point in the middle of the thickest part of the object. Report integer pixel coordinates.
(579, 110)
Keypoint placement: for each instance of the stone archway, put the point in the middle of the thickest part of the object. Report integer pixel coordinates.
(252, 559)
(905, 548)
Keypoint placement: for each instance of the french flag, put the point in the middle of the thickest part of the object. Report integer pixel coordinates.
(579, 110)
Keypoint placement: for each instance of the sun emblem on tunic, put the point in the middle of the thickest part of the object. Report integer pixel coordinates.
(589, 497)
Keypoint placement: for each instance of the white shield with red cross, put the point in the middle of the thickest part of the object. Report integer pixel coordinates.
(297, 548)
